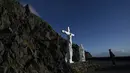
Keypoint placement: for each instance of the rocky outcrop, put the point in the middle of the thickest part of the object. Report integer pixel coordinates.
(29, 44)
(75, 48)
(76, 56)
(31, 9)
(87, 55)
(82, 67)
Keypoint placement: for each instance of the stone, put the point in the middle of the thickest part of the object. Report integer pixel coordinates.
(76, 56)
(1, 46)
(87, 55)
(84, 67)
(82, 53)
(29, 8)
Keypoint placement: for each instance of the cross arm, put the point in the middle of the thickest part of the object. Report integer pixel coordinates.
(65, 32)
(72, 34)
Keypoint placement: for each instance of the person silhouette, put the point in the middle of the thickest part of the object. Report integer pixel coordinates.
(112, 57)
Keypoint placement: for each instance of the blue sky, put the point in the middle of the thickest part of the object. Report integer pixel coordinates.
(97, 24)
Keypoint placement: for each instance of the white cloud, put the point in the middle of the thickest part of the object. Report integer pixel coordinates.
(120, 50)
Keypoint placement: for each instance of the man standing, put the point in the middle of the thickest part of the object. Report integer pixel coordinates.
(112, 57)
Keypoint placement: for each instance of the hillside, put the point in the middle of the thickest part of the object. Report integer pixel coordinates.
(29, 44)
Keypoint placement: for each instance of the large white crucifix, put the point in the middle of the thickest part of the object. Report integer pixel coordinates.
(69, 54)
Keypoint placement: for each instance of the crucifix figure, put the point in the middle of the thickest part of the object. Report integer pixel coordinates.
(69, 54)
(82, 53)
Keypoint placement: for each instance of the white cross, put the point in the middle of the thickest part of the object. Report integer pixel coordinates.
(70, 50)
(68, 32)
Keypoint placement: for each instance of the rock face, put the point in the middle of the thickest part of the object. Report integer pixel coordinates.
(28, 44)
(87, 55)
(75, 57)
(31, 9)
